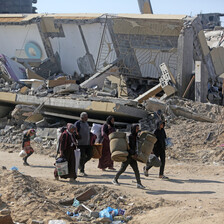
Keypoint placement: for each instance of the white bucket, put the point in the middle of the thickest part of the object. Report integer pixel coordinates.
(62, 168)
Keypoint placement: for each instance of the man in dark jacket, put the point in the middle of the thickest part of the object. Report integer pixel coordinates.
(159, 149)
(130, 160)
(83, 136)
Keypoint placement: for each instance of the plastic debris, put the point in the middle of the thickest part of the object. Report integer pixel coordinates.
(14, 168)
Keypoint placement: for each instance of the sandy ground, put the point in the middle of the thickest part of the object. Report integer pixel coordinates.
(194, 194)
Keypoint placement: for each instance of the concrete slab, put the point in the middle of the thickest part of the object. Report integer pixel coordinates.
(150, 93)
(95, 109)
(67, 88)
(218, 60)
(204, 45)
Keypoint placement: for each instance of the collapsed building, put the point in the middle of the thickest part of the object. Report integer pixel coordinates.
(118, 60)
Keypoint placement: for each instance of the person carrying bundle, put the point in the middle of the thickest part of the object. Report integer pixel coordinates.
(131, 158)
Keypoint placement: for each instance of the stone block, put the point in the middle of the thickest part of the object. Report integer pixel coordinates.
(68, 88)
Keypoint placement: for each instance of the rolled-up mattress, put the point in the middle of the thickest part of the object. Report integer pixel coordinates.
(118, 144)
(146, 143)
(142, 158)
(117, 135)
(119, 156)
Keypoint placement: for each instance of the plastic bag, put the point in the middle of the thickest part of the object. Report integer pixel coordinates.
(153, 161)
(168, 142)
(23, 153)
(108, 213)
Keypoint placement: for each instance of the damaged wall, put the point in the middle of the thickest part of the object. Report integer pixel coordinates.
(86, 43)
(14, 40)
(71, 47)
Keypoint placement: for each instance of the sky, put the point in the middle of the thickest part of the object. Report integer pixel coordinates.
(188, 7)
(183, 7)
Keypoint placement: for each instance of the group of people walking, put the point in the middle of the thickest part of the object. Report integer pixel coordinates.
(77, 137)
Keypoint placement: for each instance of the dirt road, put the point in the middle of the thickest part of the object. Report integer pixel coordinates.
(194, 194)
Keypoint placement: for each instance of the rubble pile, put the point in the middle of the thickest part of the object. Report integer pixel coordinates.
(213, 111)
(32, 199)
(11, 86)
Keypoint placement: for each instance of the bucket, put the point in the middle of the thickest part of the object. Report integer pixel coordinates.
(62, 168)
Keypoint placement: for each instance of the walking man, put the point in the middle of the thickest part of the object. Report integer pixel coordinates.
(83, 136)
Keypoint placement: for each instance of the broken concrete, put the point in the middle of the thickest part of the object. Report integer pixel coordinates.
(67, 88)
(47, 133)
(155, 104)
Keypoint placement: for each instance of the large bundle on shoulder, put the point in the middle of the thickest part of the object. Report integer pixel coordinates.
(145, 145)
(118, 146)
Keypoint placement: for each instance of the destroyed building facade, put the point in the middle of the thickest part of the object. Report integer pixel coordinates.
(86, 43)
(93, 47)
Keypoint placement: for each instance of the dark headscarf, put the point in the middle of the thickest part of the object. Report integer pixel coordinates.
(108, 121)
(159, 123)
(133, 129)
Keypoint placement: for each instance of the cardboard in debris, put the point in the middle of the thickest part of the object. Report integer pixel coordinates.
(60, 81)
(86, 195)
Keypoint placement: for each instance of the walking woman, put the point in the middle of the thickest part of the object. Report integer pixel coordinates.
(67, 146)
(105, 161)
(26, 145)
(131, 158)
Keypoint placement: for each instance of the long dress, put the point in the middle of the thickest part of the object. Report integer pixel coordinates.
(67, 148)
(105, 161)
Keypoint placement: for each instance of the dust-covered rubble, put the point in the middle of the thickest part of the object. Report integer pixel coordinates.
(31, 199)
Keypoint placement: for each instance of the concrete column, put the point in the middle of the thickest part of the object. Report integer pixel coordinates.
(185, 60)
(145, 6)
(201, 82)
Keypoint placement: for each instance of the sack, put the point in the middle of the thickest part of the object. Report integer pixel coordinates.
(97, 151)
(118, 144)
(23, 153)
(61, 166)
(96, 130)
(154, 161)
